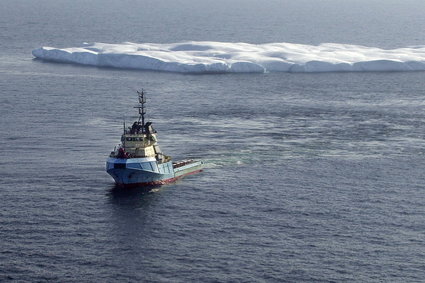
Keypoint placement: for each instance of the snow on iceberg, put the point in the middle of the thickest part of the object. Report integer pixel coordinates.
(224, 57)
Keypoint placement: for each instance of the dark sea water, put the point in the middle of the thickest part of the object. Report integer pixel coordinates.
(309, 177)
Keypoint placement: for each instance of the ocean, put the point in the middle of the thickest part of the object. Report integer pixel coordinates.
(310, 177)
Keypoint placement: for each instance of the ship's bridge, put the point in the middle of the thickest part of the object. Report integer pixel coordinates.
(140, 140)
(140, 145)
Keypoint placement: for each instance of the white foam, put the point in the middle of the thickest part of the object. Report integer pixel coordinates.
(222, 57)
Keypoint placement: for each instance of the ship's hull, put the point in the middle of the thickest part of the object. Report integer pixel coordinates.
(135, 172)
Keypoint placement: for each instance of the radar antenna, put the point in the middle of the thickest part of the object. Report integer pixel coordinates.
(141, 107)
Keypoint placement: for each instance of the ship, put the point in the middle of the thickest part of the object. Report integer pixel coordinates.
(138, 160)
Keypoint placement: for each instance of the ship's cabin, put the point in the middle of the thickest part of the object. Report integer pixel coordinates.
(138, 141)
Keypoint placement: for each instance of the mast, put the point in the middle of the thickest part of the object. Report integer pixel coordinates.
(141, 107)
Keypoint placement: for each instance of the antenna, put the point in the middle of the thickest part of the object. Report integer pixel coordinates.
(141, 107)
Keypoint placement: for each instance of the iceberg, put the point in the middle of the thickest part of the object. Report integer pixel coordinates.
(239, 57)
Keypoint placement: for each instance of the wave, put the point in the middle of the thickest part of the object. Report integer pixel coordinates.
(225, 57)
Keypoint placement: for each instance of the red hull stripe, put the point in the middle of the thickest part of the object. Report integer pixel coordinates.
(156, 183)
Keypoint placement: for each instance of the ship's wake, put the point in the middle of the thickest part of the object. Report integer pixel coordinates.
(225, 57)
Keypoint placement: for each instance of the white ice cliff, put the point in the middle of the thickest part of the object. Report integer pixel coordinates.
(222, 57)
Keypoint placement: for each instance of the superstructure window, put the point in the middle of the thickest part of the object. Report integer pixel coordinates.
(119, 165)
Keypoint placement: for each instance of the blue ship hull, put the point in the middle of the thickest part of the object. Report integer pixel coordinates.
(130, 172)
